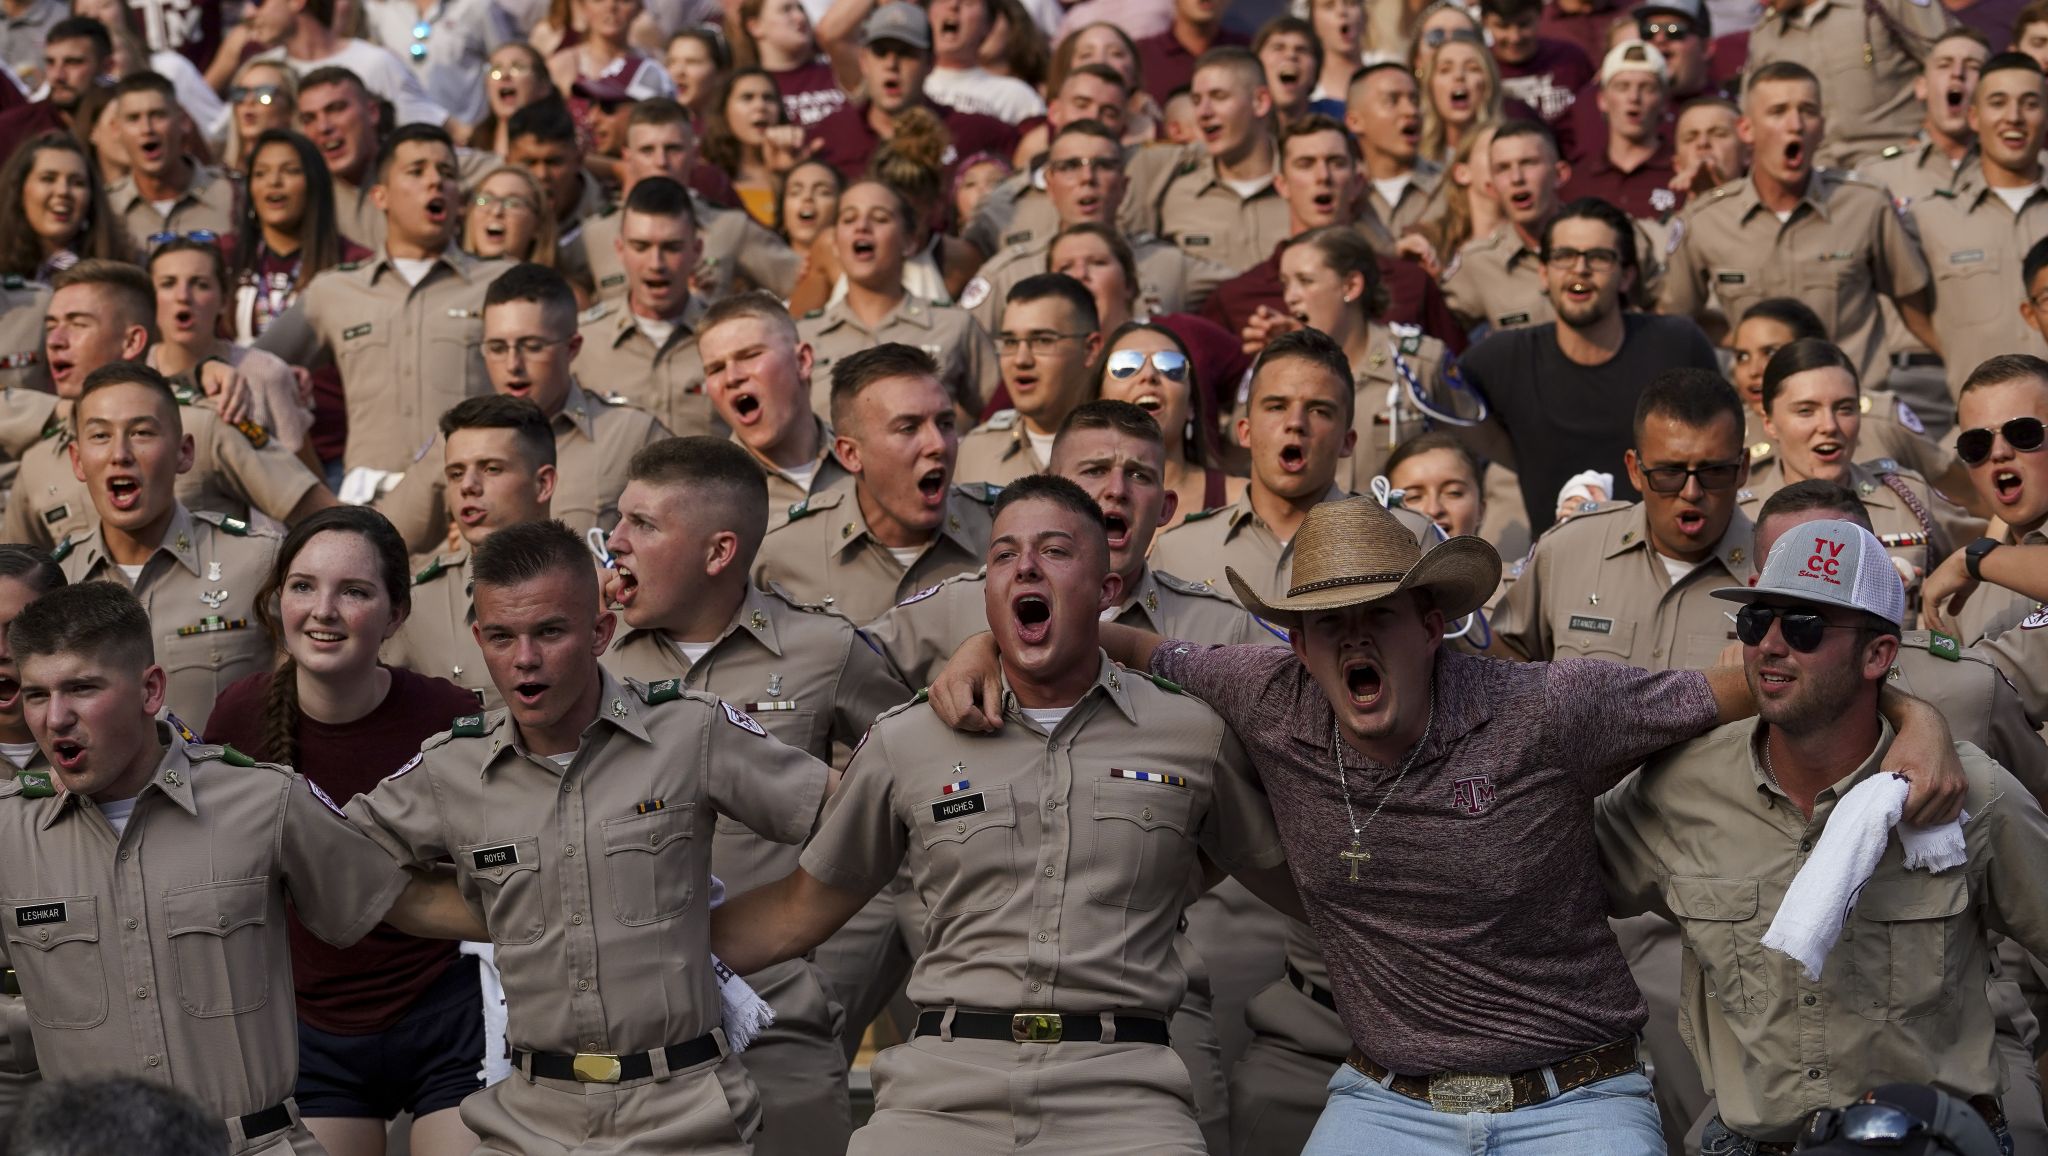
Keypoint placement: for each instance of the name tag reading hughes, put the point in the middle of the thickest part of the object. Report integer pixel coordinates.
(959, 807)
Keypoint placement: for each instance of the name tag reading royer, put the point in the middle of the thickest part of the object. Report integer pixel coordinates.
(486, 858)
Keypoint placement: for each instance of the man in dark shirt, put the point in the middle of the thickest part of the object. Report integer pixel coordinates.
(1562, 393)
(1536, 70)
(1169, 58)
(75, 56)
(895, 58)
(1582, 22)
(1632, 167)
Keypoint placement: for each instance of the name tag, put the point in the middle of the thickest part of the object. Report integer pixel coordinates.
(1023, 238)
(1588, 622)
(1966, 257)
(612, 281)
(486, 858)
(1195, 239)
(1731, 277)
(355, 331)
(1513, 319)
(958, 808)
(56, 514)
(39, 913)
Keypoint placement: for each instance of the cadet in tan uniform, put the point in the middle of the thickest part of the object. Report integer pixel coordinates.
(166, 189)
(2004, 400)
(758, 373)
(898, 524)
(406, 326)
(147, 879)
(1200, 211)
(1048, 341)
(529, 341)
(806, 676)
(644, 346)
(1942, 151)
(1383, 110)
(1870, 53)
(22, 306)
(1840, 245)
(340, 116)
(1065, 977)
(26, 574)
(579, 820)
(1497, 279)
(197, 575)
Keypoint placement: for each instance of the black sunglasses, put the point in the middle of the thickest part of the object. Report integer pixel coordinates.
(1435, 37)
(2023, 434)
(1673, 29)
(1672, 479)
(1802, 628)
(1867, 1125)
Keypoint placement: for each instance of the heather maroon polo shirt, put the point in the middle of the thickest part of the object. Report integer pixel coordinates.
(810, 92)
(1644, 191)
(1169, 65)
(1413, 299)
(849, 138)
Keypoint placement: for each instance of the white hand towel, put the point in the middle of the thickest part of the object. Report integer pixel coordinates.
(1817, 903)
(745, 1014)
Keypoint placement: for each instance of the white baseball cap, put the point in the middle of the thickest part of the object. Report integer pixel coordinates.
(1830, 563)
(1633, 56)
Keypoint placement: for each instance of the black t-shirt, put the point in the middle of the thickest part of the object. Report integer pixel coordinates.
(1564, 417)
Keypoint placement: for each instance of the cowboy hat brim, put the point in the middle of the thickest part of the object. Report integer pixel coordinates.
(1460, 573)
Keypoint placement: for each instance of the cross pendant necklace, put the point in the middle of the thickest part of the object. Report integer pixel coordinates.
(1357, 856)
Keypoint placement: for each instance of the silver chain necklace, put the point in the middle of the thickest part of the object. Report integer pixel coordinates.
(1357, 854)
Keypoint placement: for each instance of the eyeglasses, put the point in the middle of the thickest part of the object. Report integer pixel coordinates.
(497, 349)
(420, 32)
(1072, 166)
(2023, 434)
(515, 71)
(1673, 479)
(512, 202)
(1669, 29)
(1598, 260)
(261, 93)
(203, 236)
(1803, 629)
(1042, 343)
(1435, 37)
(1171, 365)
(1870, 1124)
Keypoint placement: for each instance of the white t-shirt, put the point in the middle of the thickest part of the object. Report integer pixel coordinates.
(2015, 199)
(134, 572)
(163, 208)
(1677, 568)
(1047, 718)
(657, 331)
(413, 269)
(563, 760)
(381, 72)
(1251, 188)
(1041, 444)
(694, 652)
(1390, 191)
(802, 474)
(18, 753)
(118, 813)
(978, 90)
(906, 556)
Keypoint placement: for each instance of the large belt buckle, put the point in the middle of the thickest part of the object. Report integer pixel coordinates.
(1037, 1027)
(1464, 1092)
(595, 1069)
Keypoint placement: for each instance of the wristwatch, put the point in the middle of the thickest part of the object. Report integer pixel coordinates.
(1973, 556)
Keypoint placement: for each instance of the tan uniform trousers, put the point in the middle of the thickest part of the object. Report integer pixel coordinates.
(797, 1066)
(709, 1110)
(1193, 1031)
(2019, 1034)
(1279, 1085)
(1654, 947)
(293, 1141)
(994, 1098)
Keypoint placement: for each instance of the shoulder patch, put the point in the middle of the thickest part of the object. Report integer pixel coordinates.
(1198, 515)
(656, 693)
(921, 595)
(975, 293)
(1909, 419)
(408, 767)
(37, 785)
(983, 492)
(468, 726)
(741, 719)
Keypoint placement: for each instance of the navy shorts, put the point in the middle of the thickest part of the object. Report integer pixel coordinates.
(427, 1061)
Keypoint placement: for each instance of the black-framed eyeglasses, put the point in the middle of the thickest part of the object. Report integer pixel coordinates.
(1436, 37)
(1171, 364)
(1073, 166)
(2023, 434)
(1598, 260)
(1669, 29)
(260, 93)
(1673, 479)
(484, 201)
(1803, 629)
(203, 236)
(1042, 343)
(497, 348)
(1871, 1125)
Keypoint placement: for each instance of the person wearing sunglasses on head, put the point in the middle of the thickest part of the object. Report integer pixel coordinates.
(167, 190)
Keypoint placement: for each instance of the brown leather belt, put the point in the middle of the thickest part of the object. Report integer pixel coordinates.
(1987, 1107)
(1475, 1092)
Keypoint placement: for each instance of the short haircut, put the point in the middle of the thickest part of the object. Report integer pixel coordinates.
(1710, 100)
(1107, 413)
(1778, 70)
(1314, 123)
(525, 551)
(1965, 32)
(1802, 356)
(2035, 260)
(83, 28)
(1430, 441)
(115, 1114)
(1057, 490)
(1510, 9)
(1040, 286)
(1101, 72)
(1790, 312)
(146, 81)
(857, 371)
(1089, 126)
(1694, 398)
(98, 619)
(31, 566)
(1509, 130)
(2008, 62)
(116, 373)
(334, 74)
(1371, 66)
(755, 303)
(1237, 58)
(1119, 248)
(406, 134)
(1283, 25)
(660, 197)
(540, 286)
(711, 468)
(126, 287)
(545, 120)
(1316, 347)
(2005, 369)
(1814, 496)
(1595, 209)
(659, 112)
(2036, 12)
(497, 411)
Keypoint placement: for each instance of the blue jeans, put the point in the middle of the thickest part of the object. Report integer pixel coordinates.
(1717, 1140)
(1611, 1117)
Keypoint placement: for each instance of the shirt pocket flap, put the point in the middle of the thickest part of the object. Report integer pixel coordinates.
(651, 832)
(217, 908)
(952, 822)
(1149, 805)
(1729, 900)
(80, 922)
(1900, 900)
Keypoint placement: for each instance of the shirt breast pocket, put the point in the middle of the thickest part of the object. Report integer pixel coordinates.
(455, 360)
(1826, 278)
(220, 946)
(1596, 636)
(207, 661)
(1904, 952)
(970, 841)
(506, 873)
(1726, 939)
(1138, 842)
(648, 857)
(59, 960)
(367, 361)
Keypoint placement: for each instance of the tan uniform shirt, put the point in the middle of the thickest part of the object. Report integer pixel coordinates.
(920, 633)
(207, 204)
(597, 899)
(1055, 879)
(1019, 211)
(407, 353)
(998, 451)
(1843, 246)
(1383, 223)
(1914, 530)
(965, 352)
(784, 488)
(1169, 280)
(1211, 220)
(823, 553)
(179, 924)
(1914, 172)
(807, 676)
(1981, 705)
(737, 252)
(1866, 53)
(1702, 838)
(668, 382)
(27, 416)
(1403, 358)
(1595, 588)
(200, 591)
(596, 437)
(23, 304)
(1974, 245)
(357, 216)
(17, 1042)
(2016, 641)
(1497, 280)
(435, 639)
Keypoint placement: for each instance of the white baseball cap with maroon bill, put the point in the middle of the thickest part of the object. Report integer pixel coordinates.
(1830, 563)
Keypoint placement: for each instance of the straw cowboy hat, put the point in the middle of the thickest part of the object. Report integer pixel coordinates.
(1353, 552)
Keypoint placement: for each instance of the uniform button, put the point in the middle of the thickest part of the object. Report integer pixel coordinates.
(1042, 937)
(1145, 814)
(1808, 1001)
(123, 856)
(43, 935)
(141, 993)
(569, 852)
(576, 919)
(153, 1061)
(131, 923)
(1805, 845)
(223, 921)
(652, 840)
(1034, 985)
(582, 985)
(1813, 1073)
(959, 826)
(1048, 872)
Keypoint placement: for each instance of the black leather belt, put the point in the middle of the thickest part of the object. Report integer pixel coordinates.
(1916, 360)
(10, 983)
(275, 1118)
(593, 1068)
(1310, 988)
(1042, 1027)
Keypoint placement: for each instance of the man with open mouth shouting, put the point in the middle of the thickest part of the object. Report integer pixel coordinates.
(1054, 860)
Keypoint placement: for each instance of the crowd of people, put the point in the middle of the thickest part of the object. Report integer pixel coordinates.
(1366, 577)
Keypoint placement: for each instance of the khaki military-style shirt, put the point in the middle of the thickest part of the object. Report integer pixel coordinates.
(1890, 429)
(1404, 362)
(594, 878)
(1207, 542)
(357, 216)
(2016, 641)
(1843, 246)
(407, 353)
(435, 639)
(1974, 245)
(920, 633)
(27, 416)
(1169, 280)
(1914, 172)
(1993, 608)
(1703, 838)
(1867, 54)
(1980, 705)
(966, 354)
(998, 451)
(1383, 223)
(1211, 220)
(207, 204)
(200, 591)
(162, 952)
(596, 436)
(1497, 280)
(23, 304)
(668, 382)
(17, 1043)
(1914, 523)
(823, 553)
(1018, 211)
(806, 675)
(737, 253)
(786, 489)
(1055, 864)
(1594, 587)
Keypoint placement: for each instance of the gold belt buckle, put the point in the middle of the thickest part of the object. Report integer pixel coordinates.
(595, 1069)
(1464, 1092)
(1037, 1027)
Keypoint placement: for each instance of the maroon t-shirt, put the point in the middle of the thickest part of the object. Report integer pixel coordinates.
(849, 138)
(1588, 29)
(1991, 17)
(1413, 298)
(810, 92)
(1168, 64)
(190, 28)
(360, 990)
(1549, 81)
(1644, 191)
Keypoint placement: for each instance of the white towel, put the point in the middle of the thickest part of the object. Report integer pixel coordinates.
(1586, 485)
(745, 1013)
(1810, 919)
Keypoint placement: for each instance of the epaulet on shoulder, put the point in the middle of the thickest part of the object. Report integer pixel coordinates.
(222, 752)
(781, 594)
(923, 696)
(1885, 466)
(1720, 193)
(984, 492)
(433, 570)
(14, 281)
(1586, 516)
(1165, 684)
(596, 312)
(235, 526)
(1182, 586)
(64, 549)
(812, 505)
(1891, 151)
(184, 392)
(348, 266)
(1198, 515)
(656, 693)
(10, 788)
(617, 399)
(1002, 419)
